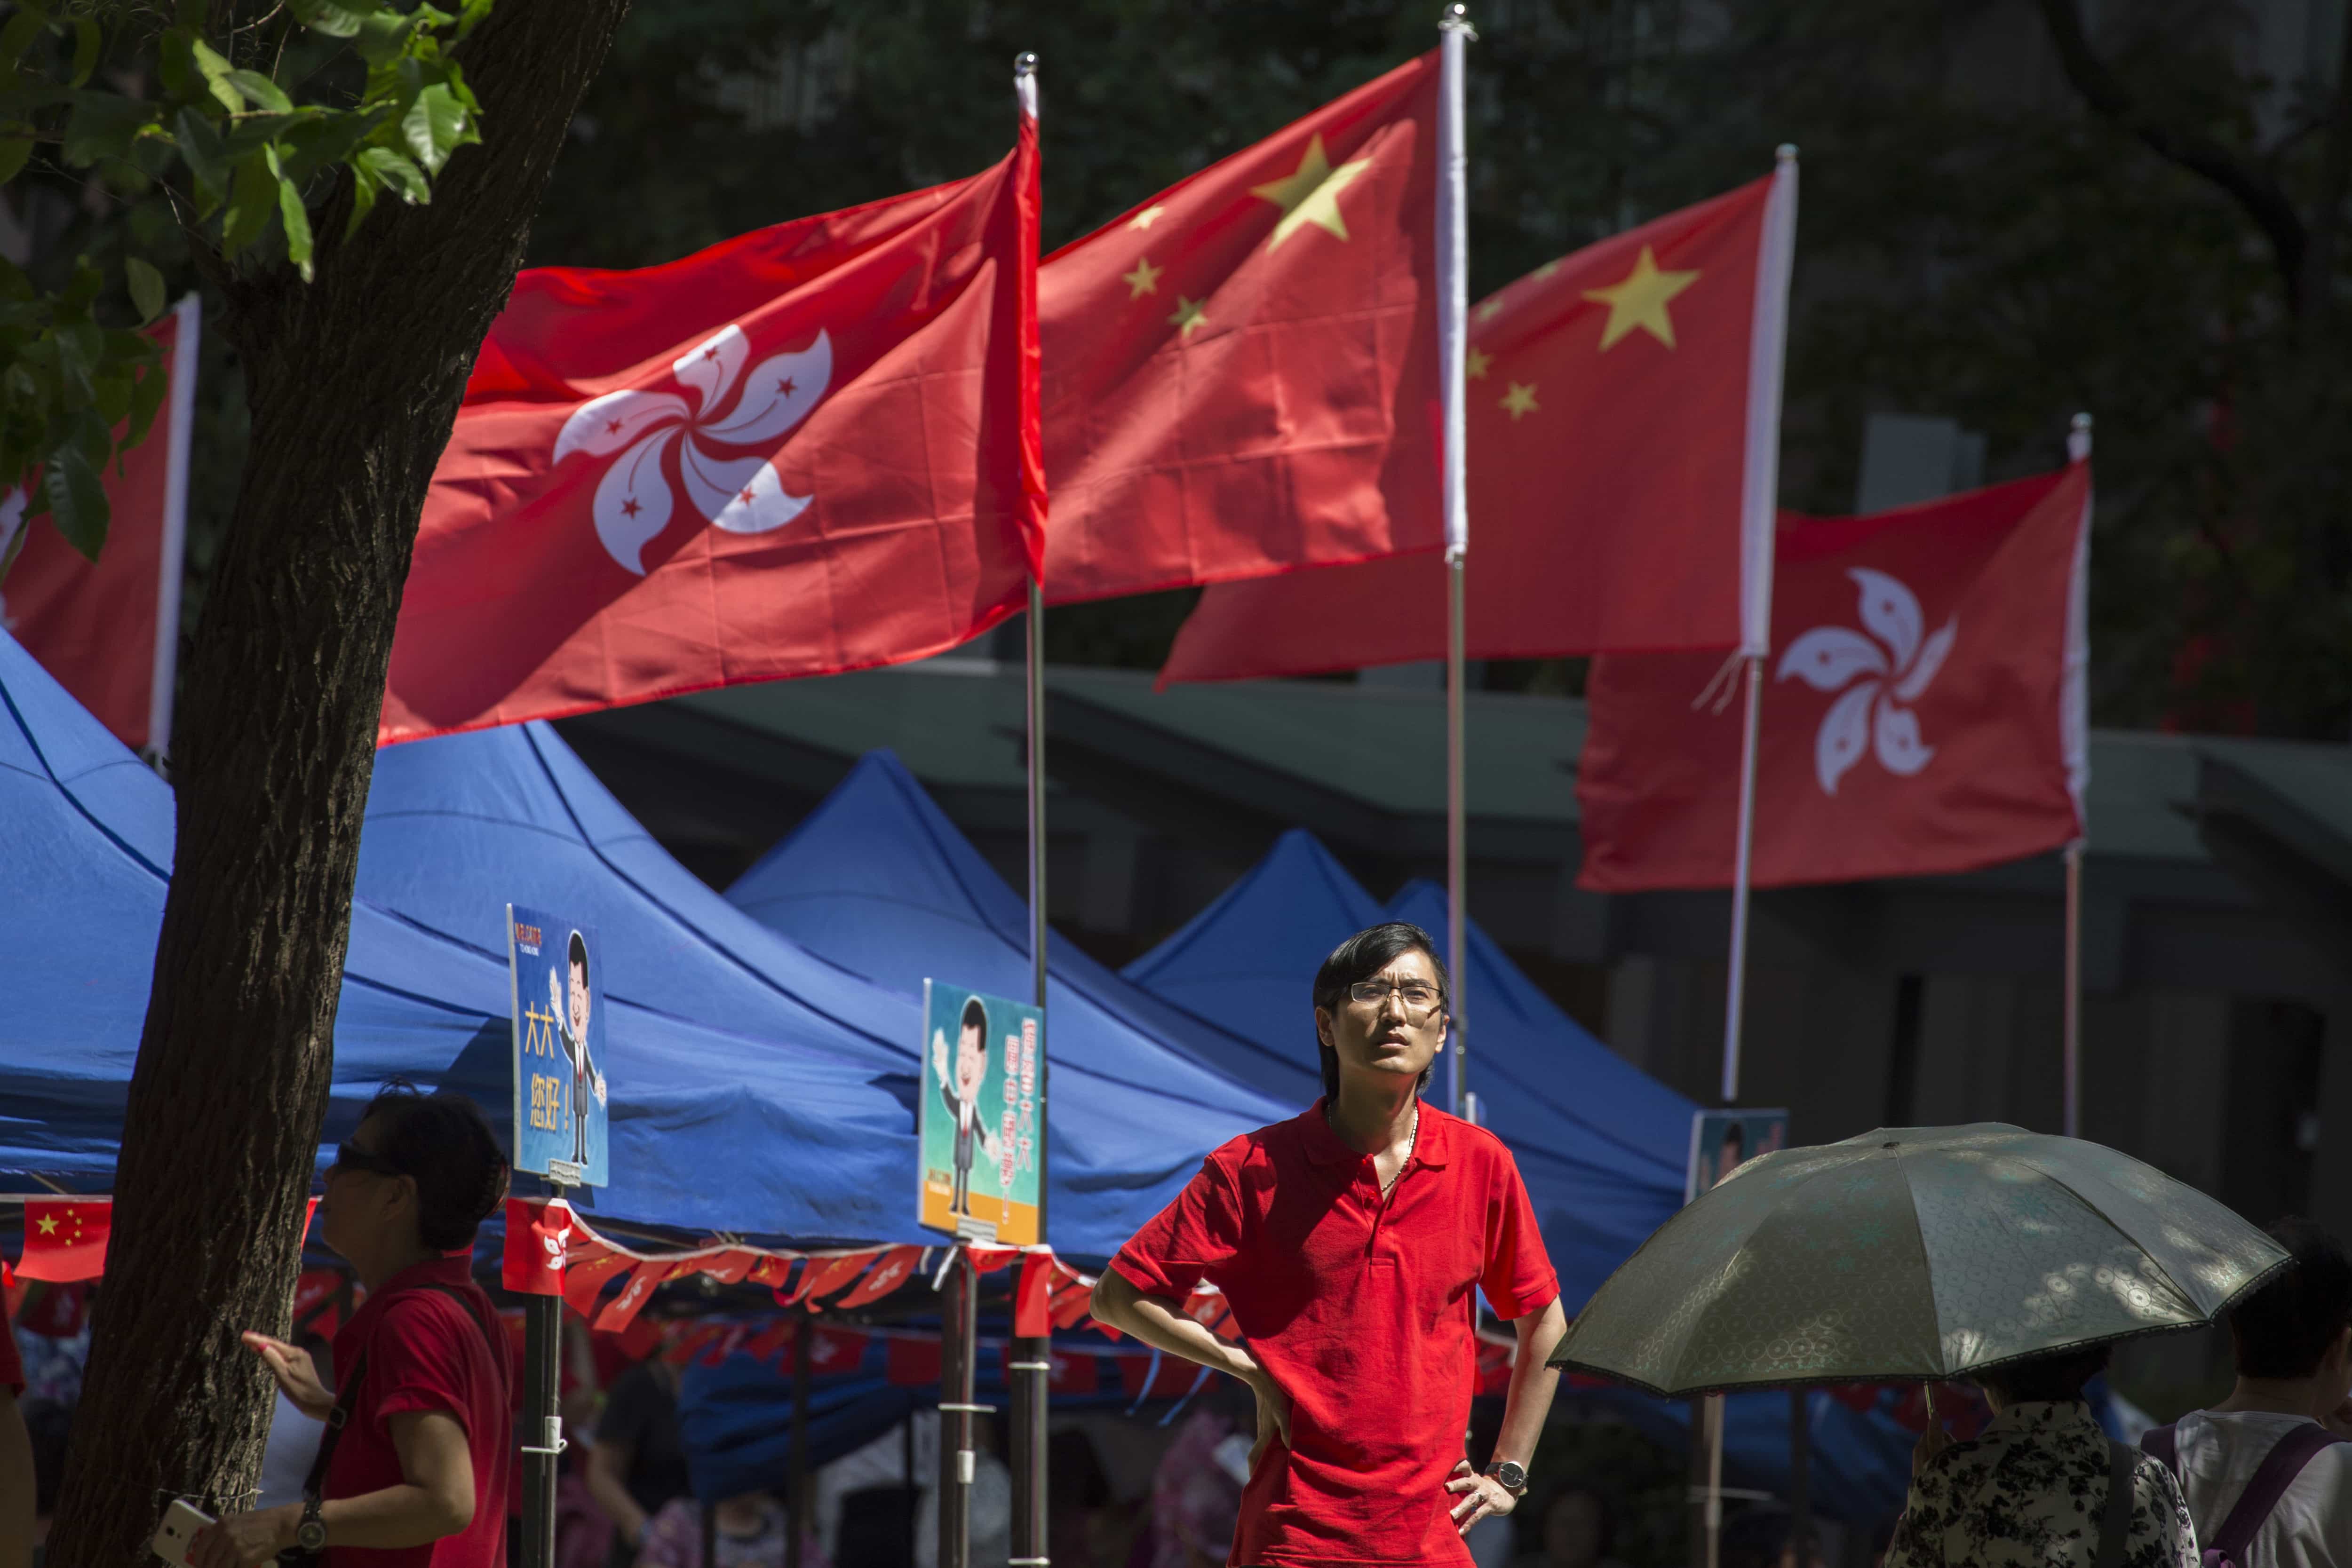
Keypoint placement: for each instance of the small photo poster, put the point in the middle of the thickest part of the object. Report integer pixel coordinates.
(558, 978)
(1723, 1141)
(980, 1119)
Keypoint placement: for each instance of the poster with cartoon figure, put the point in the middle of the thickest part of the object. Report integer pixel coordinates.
(558, 1042)
(980, 1120)
(1723, 1141)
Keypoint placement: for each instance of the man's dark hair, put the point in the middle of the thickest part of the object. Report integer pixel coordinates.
(1360, 958)
(1735, 1136)
(975, 1016)
(2058, 1375)
(2284, 1329)
(579, 952)
(442, 1144)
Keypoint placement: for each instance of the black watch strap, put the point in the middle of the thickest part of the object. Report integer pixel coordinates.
(1512, 1477)
(310, 1535)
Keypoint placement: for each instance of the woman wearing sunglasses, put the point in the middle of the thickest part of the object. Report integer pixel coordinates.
(414, 1465)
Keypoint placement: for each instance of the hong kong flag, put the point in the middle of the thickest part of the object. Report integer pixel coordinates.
(1622, 421)
(1923, 706)
(65, 1238)
(1241, 373)
(808, 449)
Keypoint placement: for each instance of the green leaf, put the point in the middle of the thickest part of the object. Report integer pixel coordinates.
(77, 499)
(335, 18)
(207, 159)
(14, 152)
(146, 286)
(103, 125)
(293, 213)
(252, 198)
(262, 93)
(395, 171)
(146, 397)
(312, 145)
(434, 126)
(216, 73)
(27, 25)
(110, 395)
(382, 37)
(80, 348)
(88, 42)
(471, 16)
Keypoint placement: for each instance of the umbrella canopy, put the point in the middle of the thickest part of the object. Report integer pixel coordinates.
(1925, 1252)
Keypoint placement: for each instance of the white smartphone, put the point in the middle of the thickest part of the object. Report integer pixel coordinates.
(178, 1532)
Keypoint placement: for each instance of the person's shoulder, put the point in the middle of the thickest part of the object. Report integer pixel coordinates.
(1260, 1145)
(1471, 1144)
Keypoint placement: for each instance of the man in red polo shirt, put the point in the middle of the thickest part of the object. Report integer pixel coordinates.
(1352, 1242)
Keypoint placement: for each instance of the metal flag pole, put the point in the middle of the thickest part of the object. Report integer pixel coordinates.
(542, 1384)
(959, 1348)
(2073, 716)
(1744, 844)
(1452, 337)
(1029, 1367)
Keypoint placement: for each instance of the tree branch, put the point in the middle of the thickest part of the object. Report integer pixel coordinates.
(2261, 197)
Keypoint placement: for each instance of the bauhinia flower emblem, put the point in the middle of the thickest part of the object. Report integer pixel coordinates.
(739, 493)
(1871, 713)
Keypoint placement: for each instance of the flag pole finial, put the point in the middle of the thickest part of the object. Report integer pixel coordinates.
(1024, 63)
(2078, 438)
(1457, 20)
(1785, 153)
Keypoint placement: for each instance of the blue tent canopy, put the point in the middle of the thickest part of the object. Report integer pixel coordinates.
(877, 881)
(86, 833)
(456, 827)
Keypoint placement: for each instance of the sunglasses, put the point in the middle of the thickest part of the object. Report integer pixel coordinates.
(352, 1157)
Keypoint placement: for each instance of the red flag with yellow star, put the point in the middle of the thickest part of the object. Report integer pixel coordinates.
(65, 1238)
(1241, 374)
(1623, 408)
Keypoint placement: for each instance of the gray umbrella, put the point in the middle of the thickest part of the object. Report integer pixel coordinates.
(1913, 1252)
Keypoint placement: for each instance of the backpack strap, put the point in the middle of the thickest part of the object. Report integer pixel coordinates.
(348, 1396)
(2277, 1472)
(2163, 1445)
(2115, 1519)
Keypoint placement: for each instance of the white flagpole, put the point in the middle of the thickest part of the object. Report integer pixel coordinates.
(2073, 720)
(179, 431)
(1759, 508)
(1452, 334)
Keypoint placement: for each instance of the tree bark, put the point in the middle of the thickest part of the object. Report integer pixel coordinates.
(353, 382)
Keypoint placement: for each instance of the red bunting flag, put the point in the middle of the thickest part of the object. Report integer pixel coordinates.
(811, 448)
(894, 1269)
(1073, 1373)
(539, 1238)
(769, 1342)
(731, 1267)
(585, 1278)
(623, 1309)
(835, 1350)
(65, 1238)
(1923, 706)
(1241, 373)
(768, 1269)
(1033, 1314)
(823, 1276)
(108, 630)
(1622, 421)
(912, 1363)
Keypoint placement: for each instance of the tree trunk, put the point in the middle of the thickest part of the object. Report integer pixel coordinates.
(353, 382)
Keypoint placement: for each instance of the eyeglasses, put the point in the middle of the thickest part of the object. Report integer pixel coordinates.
(1419, 997)
(352, 1157)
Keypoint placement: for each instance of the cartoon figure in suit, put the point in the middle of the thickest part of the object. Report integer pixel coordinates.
(572, 1025)
(963, 1098)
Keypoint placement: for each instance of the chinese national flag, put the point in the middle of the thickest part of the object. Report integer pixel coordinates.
(1621, 420)
(1241, 374)
(892, 1270)
(65, 1238)
(108, 630)
(1922, 714)
(808, 449)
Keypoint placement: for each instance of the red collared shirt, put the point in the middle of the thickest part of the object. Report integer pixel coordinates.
(425, 1352)
(1362, 1310)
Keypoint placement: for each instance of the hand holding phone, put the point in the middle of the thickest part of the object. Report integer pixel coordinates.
(178, 1531)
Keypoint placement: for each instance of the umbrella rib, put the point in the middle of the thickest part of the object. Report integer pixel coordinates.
(2178, 1288)
(1927, 1263)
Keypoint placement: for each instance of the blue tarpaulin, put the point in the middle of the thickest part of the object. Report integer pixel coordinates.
(86, 833)
(458, 826)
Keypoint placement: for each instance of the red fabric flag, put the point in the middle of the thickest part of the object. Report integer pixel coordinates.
(1031, 1310)
(65, 1238)
(56, 1311)
(834, 1351)
(808, 449)
(912, 1363)
(1922, 714)
(539, 1235)
(584, 1278)
(1622, 422)
(1241, 374)
(892, 1270)
(623, 1310)
(730, 1268)
(768, 1269)
(823, 1276)
(1073, 1373)
(108, 630)
(771, 1341)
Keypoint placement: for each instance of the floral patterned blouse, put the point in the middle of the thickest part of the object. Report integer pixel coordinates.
(2027, 1492)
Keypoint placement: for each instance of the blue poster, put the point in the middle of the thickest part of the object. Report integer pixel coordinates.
(558, 1042)
(1723, 1141)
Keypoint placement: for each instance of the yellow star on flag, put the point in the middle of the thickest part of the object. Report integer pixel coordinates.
(1188, 316)
(1546, 271)
(1143, 280)
(49, 1225)
(1147, 217)
(1492, 309)
(1520, 400)
(1475, 362)
(1640, 300)
(1310, 193)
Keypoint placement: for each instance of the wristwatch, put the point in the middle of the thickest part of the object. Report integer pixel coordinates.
(1512, 1477)
(310, 1535)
